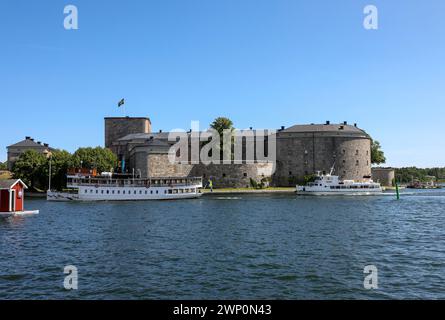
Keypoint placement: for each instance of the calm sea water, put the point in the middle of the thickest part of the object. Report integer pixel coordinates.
(228, 247)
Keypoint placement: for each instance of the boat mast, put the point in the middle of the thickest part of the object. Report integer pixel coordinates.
(49, 178)
(332, 169)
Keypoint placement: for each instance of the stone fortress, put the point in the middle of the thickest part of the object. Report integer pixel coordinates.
(17, 149)
(301, 150)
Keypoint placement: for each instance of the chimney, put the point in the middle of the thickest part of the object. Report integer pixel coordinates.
(282, 127)
(160, 131)
(31, 139)
(46, 145)
(27, 138)
(345, 122)
(250, 128)
(328, 122)
(355, 125)
(39, 142)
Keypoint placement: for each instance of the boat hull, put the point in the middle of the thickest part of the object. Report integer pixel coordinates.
(324, 191)
(331, 193)
(138, 196)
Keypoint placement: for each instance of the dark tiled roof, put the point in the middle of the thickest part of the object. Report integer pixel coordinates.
(27, 143)
(136, 136)
(8, 183)
(324, 128)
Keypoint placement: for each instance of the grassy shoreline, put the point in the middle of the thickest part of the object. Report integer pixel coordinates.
(249, 190)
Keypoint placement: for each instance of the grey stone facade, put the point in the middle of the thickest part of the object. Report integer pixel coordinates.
(386, 176)
(304, 150)
(15, 150)
(116, 128)
(301, 150)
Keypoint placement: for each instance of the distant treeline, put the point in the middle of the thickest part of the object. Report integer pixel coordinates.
(406, 175)
(3, 165)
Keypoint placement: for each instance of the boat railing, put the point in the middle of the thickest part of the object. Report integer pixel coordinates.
(152, 182)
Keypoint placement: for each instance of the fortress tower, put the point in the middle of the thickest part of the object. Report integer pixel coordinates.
(119, 127)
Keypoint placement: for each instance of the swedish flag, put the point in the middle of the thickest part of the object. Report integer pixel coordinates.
(121, 103)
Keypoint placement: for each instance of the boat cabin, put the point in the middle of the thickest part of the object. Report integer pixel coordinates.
(12, 195)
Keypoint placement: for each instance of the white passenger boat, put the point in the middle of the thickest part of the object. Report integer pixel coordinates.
(110, 187)
(328, 184)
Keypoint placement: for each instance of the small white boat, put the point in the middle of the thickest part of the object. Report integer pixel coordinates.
(328, 184)
(109, 187)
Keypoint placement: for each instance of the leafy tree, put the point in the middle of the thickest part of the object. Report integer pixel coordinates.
(220, 124)
(30, 168)
(3, 166)
(406, 175)
(100, 158)
(377, 155)
(61, 161)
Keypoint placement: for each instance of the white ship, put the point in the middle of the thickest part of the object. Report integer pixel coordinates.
(328, 184)
(110, 187)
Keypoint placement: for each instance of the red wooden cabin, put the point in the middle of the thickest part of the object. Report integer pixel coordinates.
(12, 193)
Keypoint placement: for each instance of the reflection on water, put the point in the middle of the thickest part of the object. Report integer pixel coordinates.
(234, 247)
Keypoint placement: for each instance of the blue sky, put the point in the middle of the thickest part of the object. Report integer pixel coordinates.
(261, 63)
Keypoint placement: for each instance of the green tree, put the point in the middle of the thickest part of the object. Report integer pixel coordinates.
(99, 158)
(30, 168)
(61, 161)
(220, 124)
(377, 155)
(3, 166)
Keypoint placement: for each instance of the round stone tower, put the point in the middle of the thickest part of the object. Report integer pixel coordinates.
(303, 150)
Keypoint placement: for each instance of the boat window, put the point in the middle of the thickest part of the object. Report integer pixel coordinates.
(157, 192)
(86, 190)
(151, 191)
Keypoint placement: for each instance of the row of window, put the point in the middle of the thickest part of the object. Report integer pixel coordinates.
(306, 152)
(356, 187)
(169, 191)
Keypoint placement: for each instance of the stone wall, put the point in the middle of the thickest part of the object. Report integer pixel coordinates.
(151, 162)
(233, 175)
(160, 166)
(15, 152)
(302, 154)
(116, 128)
(301, 151)
(385, 176)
